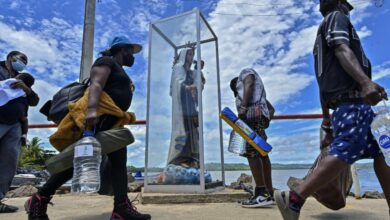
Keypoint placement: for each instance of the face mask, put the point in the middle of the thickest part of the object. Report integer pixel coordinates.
(129, 60)
(18, 65)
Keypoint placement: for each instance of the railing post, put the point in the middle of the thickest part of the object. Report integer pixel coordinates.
(356, 182)
(88, 38)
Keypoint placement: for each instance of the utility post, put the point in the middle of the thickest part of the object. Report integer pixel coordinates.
(88, 38)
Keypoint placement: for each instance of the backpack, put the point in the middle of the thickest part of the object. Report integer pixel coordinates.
(57, 108)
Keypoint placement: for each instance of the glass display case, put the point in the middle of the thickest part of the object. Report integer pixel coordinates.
(184, 150)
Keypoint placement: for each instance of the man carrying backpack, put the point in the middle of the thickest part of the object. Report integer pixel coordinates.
(10, 128)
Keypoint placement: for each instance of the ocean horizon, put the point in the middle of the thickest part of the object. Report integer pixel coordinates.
(367, 177)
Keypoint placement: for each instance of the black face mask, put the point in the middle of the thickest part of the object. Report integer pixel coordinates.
(129, 60)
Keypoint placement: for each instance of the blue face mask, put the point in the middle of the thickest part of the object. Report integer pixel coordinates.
(18, 65)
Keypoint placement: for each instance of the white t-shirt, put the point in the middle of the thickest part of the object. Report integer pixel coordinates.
(259, 94)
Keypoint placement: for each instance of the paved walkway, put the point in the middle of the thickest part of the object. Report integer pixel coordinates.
(99, 208)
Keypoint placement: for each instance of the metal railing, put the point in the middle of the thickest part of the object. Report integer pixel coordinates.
(355, 176)
(143, 122)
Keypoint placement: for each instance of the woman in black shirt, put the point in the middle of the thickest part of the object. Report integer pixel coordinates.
(108, 75)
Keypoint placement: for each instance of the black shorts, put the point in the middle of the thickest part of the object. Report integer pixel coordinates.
(258, 127)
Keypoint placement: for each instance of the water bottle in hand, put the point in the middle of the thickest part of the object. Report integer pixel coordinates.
(86, 164)
(237, 144)
(380, 128)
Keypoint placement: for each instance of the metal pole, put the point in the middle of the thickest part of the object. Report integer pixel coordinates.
(88, 38)
(201, 143)
(146, 179)
(219, 110)
(356, 182)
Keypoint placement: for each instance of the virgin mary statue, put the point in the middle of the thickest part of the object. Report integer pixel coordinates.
(184, 145)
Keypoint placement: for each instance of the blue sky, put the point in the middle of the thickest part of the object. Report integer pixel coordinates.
(276, 38)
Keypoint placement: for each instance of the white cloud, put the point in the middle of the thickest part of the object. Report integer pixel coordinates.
(52, 48)
(272, 45)
(278, 47)
(381, 71)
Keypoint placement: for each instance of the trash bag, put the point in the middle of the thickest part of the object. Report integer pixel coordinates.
(332, 195)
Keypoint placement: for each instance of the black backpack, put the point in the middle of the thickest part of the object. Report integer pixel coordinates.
(57, 108)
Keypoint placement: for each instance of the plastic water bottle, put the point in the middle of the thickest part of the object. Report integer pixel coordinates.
(380, 128)
(169, 173)
(247, 133)
(207, 177)
(237, 144)
(180, 174)
(86, 163)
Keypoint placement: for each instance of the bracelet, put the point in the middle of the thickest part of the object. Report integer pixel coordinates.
(327, 127)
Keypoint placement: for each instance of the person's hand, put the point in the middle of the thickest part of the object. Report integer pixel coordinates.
(20, 85)
(91, 118)
(242, 112)
(191, 88)
(23, 140)
(326, 133)
(373, 93)
(326, 138)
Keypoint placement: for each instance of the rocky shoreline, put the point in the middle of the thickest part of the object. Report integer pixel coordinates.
(246, 181)
(24, 187)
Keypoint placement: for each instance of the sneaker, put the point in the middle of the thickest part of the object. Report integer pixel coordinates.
(36, 207)
(127, 211)
(4, 208)
(263, 200)
(283, 201)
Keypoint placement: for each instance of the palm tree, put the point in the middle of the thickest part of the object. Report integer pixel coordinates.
(33, 155)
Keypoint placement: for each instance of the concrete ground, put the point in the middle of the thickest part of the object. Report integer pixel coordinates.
(100, 207)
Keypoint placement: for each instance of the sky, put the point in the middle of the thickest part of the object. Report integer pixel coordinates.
(275, 37)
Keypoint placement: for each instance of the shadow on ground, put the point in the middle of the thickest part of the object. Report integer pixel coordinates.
(101, 216)
(355, 215)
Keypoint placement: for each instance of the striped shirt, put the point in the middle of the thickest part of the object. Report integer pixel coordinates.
(332, 79)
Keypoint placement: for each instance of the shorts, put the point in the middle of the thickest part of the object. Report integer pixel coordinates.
(258, 127)
(353, 139)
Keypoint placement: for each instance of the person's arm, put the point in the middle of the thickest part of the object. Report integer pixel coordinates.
(271, 109)
(99, 76)
(32, 97)
(338, 37)
(249, 83)
(372, 92)
(326, 126)
(325, 113)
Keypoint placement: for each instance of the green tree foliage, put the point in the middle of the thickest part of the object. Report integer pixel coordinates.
(34, 155)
